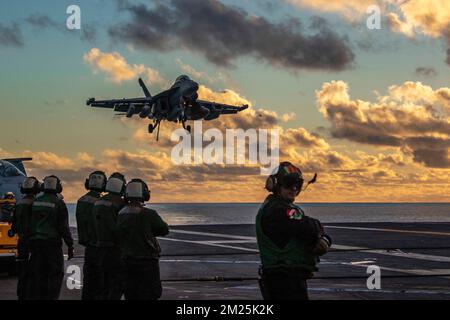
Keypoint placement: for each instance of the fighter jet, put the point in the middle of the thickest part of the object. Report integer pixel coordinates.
(178, 104)
(12, 174)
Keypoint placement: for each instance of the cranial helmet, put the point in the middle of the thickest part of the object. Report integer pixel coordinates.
(285, 175)
(96, 181)
(116, 183)
(8, 195)
(52, 184)
(137, 190)
(30, 185)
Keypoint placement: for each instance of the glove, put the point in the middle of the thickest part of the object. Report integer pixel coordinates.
(322, 246)
(70, 253)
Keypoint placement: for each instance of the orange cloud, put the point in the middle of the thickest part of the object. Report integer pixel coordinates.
(412, 117)
(117, 69)
(428, 17)
(350, 9)
(355, 177)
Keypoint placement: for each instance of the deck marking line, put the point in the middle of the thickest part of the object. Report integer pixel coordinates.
(417, 256)
(211, 244)
(434, 233)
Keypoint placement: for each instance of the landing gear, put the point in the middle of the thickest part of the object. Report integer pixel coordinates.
(152, 127)
(188, 128)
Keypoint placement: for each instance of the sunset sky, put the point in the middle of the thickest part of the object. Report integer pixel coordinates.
(368, 110)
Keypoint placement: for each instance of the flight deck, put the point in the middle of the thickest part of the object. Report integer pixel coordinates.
(221, 262)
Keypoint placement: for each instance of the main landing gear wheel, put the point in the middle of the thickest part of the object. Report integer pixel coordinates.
(188, 128)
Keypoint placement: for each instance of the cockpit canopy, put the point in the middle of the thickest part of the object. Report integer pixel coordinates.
(183, 77)
(9, 170)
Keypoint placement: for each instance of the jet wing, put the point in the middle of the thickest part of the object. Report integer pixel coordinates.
(119, 105)
(221, 108)
(123, 105)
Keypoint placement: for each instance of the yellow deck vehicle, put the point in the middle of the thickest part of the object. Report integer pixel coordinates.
(8, 243)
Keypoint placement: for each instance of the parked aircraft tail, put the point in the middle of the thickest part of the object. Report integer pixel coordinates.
(18, 163)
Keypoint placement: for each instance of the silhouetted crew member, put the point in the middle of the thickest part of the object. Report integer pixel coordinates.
(49, 224)
(138, 228)
(7, 205)
(105, 211)
(21, 226)
(289, 241)
(87, 234)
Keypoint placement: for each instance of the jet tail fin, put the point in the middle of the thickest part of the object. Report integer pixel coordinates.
(18, 163)
(144, 88)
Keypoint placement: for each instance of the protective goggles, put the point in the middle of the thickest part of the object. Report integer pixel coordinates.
(291, 181)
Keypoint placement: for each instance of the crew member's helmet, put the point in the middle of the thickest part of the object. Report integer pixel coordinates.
(52, 184)
(116, 184)
(30, 185)
(137, 190)
(8, 196)
(96, 181)
(286, 175)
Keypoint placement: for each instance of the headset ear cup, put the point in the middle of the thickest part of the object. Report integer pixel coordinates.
(37, 187)
(105, 180)
(59, 187)
(147, 195)
(269, 184)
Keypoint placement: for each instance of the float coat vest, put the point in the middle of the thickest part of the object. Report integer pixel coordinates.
(138, 228)
(22, 217)
(49, 219)
(105, 212)
(87, 233)
(295, 253)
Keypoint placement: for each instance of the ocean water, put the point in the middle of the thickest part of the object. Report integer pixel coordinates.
(244, 213)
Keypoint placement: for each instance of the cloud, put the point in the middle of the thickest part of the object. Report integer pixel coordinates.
(247, 119)
(427, 17)
(51, 160)
(300, 137)
(223, 33)
(355, 177)
(227, 96)
(427, 72)
(117, 69)
(412, 117)
(87, 33)
(5, 154)
(200, 75)
(11, 36)
(430, 18)
(288, 117)
(41, 21)
(400, 26)
(350, 9)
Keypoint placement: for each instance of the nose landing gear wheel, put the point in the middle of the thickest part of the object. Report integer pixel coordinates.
(150, 128)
